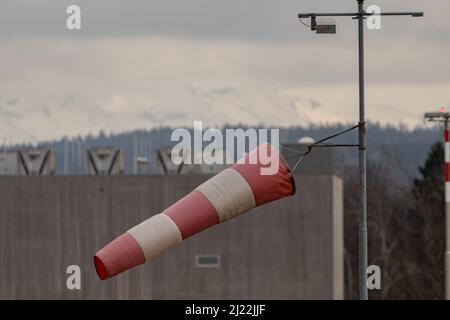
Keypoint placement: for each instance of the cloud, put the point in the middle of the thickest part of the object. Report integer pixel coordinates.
(9, 114)
(119, 84)
(314, 103)
(12, 102)
(151, 63)
(250, 20)
(41, 110)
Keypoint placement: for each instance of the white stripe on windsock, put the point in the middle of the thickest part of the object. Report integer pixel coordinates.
(447, 152)
(155, 235)
(447, 191)
(229, 194)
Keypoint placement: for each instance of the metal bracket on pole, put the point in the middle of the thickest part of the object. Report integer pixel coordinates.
(362, 133)
(313, 23)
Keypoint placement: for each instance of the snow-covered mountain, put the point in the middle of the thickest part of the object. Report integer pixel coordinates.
(29, 119)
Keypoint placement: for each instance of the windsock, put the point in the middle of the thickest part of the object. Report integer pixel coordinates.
(228, 194)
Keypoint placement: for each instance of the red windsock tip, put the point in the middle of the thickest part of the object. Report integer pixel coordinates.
(100, 268)
(121, 254)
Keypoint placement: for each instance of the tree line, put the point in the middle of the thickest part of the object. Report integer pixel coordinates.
(406, 229)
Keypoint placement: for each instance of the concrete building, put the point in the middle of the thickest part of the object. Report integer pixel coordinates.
(104, 161)
(28, 162)
(290, 249)
(164, 164)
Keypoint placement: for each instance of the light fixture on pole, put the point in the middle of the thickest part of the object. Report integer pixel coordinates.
(443, 117)
(331, 29)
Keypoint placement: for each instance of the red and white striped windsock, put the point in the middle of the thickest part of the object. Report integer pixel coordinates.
(447, 164)
(228, 194)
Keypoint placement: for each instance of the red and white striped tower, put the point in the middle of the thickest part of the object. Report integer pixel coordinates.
(447, 207)
(444, 117)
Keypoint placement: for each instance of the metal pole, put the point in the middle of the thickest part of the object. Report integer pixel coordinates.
(447, 208)
(363, 294)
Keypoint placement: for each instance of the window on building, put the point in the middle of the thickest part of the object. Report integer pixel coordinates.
(207, 261)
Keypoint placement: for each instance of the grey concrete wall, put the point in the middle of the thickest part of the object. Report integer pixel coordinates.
(289, 249)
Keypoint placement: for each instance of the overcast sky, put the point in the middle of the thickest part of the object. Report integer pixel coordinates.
(141, 64)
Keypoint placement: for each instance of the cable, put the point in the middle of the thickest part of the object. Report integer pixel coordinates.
(293, 150)
(304, 23)
(299, 160)
(321, 146)
(337, 134)
(331, 145)
(318, 145)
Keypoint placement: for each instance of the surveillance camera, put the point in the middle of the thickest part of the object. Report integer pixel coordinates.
(325, 26)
